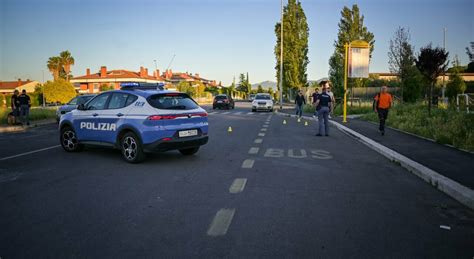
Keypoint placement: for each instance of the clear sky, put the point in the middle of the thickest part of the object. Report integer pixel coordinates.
(217, 38)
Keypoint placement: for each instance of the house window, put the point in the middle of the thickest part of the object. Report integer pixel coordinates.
(96, 86)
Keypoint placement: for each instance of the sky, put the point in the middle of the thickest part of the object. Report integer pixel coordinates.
(216, 38)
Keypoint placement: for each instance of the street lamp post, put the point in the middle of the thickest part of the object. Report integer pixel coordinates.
(44, 104)
(281, 58)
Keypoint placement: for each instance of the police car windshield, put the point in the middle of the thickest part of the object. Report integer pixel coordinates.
(172, 101)
(262, 97)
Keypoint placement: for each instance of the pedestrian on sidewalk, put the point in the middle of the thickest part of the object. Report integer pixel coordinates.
(315, 98)
(325, 101)
(382, 103)
(300, 101)
(15, 104)
(25, 104)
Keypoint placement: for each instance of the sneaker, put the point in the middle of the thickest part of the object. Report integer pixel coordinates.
(318, 135)
(329, 116)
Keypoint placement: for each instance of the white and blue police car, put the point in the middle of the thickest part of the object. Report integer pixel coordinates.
(137, 119)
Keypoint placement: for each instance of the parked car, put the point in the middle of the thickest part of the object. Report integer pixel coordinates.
(262, 102)
(72, 104)
(223, 101)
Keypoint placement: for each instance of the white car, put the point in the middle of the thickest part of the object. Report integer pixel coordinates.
(262, 102)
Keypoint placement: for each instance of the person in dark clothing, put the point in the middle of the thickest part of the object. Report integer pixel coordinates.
(299, 101)
(315, 98)
(15, 104)
(325, 101)
(382, 103)
(25, 103)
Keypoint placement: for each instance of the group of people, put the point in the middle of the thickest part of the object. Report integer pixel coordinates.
(325, 103)
(20, 104)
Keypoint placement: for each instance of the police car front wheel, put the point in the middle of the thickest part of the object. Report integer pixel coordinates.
(131, 147)
(69, 140)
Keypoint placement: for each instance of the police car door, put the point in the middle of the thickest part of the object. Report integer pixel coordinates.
(86, 121)
(114, 115)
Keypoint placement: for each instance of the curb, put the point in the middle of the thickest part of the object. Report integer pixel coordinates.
(455, 190)
(9, 129)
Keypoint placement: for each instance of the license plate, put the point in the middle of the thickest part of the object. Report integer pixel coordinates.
(187, 133)
(219, 101)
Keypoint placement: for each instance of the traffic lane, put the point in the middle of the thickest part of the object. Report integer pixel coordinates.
(28, 140)
(90, 203)
(355, 203)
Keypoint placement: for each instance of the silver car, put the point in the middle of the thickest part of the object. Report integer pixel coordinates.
(72, 104)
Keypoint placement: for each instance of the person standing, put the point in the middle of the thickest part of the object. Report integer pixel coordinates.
(382, 103)
(25, 104)
(300, 101)
(15, 104)
(315, 97)
(325, 101)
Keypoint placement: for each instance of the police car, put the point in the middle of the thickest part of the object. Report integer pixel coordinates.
(137, 119)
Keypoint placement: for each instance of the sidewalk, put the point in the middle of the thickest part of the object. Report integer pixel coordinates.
(19, 128)
(450, 162)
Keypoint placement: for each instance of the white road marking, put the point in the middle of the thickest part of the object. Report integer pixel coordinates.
(238, 185)
(261, 134)
(265, 126)
(263, 129)
(28, 153)
(249, 113)
(221, 222)
(258, 141)
(237, 113)
(211, 113)
(248, 163)
(225, 113)
(267, 122)
(253, 150)
(9, 177)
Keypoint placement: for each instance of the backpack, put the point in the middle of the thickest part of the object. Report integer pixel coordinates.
(375, 104)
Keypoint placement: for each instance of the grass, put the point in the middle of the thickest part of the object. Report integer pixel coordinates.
(36, 113)
(365, 107)
(445, 126)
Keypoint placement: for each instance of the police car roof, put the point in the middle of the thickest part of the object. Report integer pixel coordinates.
(144, 93)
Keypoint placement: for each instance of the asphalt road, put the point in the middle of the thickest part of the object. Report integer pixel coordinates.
(259, 191)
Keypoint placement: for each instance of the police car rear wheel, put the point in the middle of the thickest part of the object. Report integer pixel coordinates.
(69, 140)
(189, 151)
(131, 148)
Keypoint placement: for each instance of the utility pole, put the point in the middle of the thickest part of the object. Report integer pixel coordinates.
(281, 58)
(154, 60)
(444, 72)
(43, 89)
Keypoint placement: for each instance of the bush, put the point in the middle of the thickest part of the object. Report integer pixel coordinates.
(35, 114)
(59, 91)
(445, 126)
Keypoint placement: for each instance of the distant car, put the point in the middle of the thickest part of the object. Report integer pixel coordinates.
(137, 119)
(223, 101)
(251, 97)
(262, 102)
(72, 104)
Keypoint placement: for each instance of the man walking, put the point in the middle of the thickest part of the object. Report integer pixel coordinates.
(15, 104)
(25, 103)
(325, 102)
(299, 101)
(382, 103)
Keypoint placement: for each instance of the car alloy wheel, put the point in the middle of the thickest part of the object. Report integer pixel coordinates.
(69, 140)
(129, 147)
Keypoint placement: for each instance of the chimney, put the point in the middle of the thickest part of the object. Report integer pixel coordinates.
(146, 71)
(19, 82)
(142, 72)
(88, 72)
(157, 73)
(196, 75)
(103, 71)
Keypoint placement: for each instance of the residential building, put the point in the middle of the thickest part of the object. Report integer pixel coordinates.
(177, 77)
(468, 77)
(7, 87)
(91, 83)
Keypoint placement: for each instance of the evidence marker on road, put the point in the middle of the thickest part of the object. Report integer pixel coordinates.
(221, 222)
(229, 129)
(284, 122)
(238, 185)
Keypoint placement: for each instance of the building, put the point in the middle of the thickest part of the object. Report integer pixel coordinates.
(177, 77)
(7, 87)
(468, 77)
(92, 83)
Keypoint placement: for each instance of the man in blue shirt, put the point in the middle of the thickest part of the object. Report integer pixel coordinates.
(325, 102)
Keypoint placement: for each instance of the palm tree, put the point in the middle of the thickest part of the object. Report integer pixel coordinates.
(67, 61)
(54, 66)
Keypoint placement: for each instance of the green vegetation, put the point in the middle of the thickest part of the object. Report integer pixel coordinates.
(364, 108)
(35, 114)
(295, 47)
(443, 126)
(60, 66)
(59, 91)
(456, 85)
(351, 27)
(106, 87)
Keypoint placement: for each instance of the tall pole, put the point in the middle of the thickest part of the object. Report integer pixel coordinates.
(344, 108)
(281, 58)
(43, 89)
(444, 72)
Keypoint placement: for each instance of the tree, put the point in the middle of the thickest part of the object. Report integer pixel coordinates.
(105, 87)
(54, 66)
(351, 27)
(431, 62)
(67, 61)
(270, 91)
(186, 87)
(59, 91)
(470, 54)
(260, 89)
(456, 84)
(295, 47)
(244, 85)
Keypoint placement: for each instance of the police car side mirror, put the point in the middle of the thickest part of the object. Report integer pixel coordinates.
(81, 107)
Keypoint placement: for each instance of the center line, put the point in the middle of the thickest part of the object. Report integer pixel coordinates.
(263, 129)
(225, 113)
(261, 134)
(258, 141)
(28, 153)
(248, 163)
(254, 150)
(221, 222)
(265, 126)
(238, 185)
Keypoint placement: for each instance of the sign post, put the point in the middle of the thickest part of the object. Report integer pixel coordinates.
(356, 65)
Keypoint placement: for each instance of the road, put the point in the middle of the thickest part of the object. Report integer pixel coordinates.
(266, 189)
